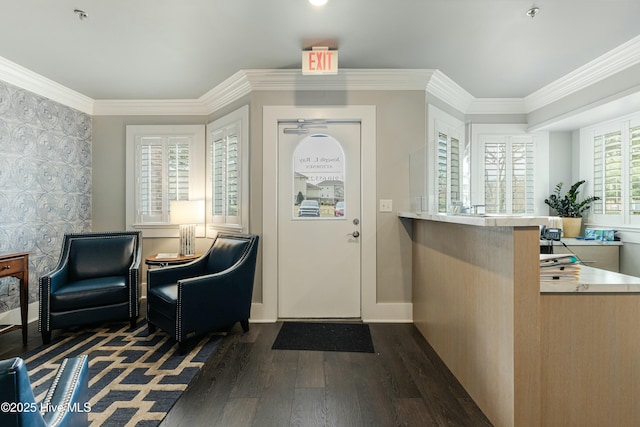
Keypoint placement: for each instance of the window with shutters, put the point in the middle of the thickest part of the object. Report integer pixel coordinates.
(616, 170)
(227, 172)
(634, 170)
(508, 175)
(448, 160)
(164, 164)
(448, 134)
(608, 173)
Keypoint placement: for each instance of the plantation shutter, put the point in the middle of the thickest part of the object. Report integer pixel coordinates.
(163, 175)
(598, 174)
(442, 172)
(178, 165)
(522, 178)
(150, 201)
(224, 164)
(448, 166)
(634, 171)
(612, 154)
(495, 160)
(509, 175)
(454, 150)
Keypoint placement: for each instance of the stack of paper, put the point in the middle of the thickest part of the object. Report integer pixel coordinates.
(559, 267)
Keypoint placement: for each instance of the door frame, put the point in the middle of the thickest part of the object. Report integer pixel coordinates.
(271, 115)
(317, 274)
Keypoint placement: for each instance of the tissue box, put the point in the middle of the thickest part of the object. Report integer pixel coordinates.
(606, 234)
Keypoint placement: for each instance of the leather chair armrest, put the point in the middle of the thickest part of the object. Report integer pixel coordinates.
(58, 278)
(172, 274)
(67, 401)
(216, 297)
(212, 287)
(137, 260)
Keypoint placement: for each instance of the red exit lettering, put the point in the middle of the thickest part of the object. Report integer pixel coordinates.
(320, 60)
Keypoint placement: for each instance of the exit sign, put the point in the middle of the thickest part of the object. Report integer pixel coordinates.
(319, 61)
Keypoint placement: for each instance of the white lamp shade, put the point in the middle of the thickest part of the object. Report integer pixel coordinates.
(187, 212)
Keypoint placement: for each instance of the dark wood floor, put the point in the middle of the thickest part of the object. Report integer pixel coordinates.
(247, 384)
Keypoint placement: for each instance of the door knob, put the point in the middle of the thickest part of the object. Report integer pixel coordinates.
(354, 234)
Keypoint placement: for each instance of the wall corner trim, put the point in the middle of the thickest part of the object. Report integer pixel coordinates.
(24, 78)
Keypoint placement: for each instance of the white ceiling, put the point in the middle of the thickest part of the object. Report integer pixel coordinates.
(171, 49)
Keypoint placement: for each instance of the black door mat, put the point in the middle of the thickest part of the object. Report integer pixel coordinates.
(324, 336)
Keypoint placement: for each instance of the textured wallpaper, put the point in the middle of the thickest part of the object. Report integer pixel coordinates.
(45, 182)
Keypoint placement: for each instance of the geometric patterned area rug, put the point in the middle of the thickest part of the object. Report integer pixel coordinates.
(134, 377)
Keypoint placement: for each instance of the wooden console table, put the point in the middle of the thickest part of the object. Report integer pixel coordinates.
(17, 265)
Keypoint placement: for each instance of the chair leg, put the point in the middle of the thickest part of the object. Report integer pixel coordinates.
(46, 337)
(151, 328)
(133, 321)
(245, 325)
(183, 347)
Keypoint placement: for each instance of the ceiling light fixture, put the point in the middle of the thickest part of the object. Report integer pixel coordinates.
(81, 14)
(531, 13)
(318, 2)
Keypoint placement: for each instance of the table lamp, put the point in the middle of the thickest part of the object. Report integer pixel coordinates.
(187, 213)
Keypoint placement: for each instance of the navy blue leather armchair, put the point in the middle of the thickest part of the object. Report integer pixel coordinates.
(97, 279)
(64, 405)
(211, 293)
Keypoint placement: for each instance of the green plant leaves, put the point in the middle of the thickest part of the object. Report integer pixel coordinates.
(567, 205)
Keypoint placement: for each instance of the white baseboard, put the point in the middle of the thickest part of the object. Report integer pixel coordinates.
(13, 317)
(389, 313)
(261, 314)
(379, 313)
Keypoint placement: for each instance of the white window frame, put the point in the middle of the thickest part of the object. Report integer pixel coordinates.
(443, 123)
(134, 135)
(587, 137)
(518, 133)
(240, 223)
(634, 220)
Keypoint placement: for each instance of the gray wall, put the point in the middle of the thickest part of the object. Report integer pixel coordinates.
(109, 177)
(109, 169)
(560, 166)
(400, 130)
(45, 182)
(400, 127)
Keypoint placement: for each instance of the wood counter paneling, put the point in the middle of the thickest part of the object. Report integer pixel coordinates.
(476, 298)
(590, 359)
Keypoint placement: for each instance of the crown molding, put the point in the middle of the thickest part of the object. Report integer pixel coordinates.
(149, 107)
(230, 90)
(243, 82)
(449, 91)
(624, 56)
(24, 78)
(497, 106)
(346, 79)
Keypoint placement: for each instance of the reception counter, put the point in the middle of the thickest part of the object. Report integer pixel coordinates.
(590, 350)
(528, 355)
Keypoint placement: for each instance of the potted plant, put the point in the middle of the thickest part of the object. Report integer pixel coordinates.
(569, 207)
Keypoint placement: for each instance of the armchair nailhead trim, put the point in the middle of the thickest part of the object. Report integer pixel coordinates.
(134, 273)
(46, 316)
(67, 397)
(179, 314)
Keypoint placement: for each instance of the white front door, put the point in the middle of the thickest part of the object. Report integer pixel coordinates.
(319, 220)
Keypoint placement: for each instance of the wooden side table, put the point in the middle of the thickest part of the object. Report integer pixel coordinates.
(162, 260)
(17, 265)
